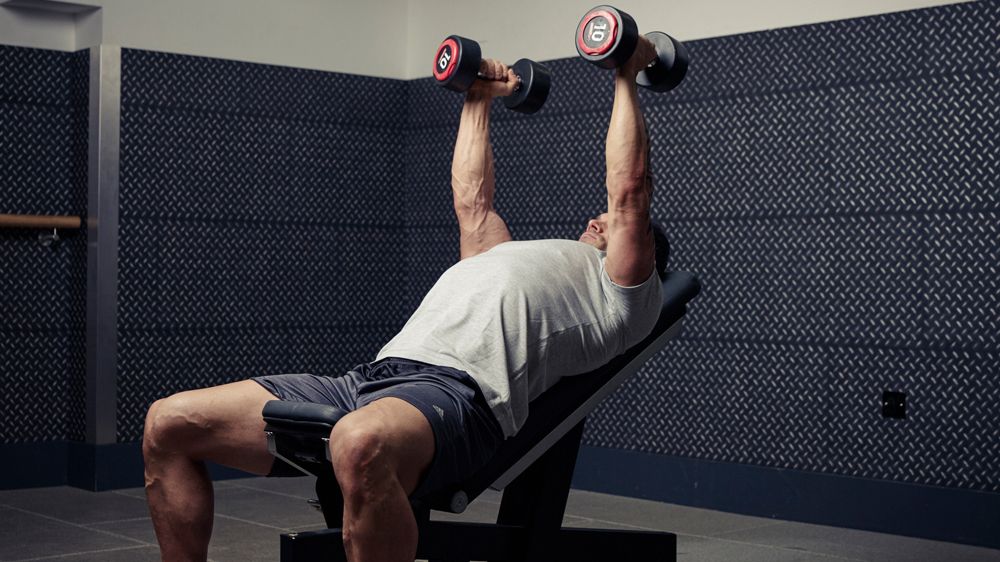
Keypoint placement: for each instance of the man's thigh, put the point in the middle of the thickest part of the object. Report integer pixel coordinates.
(222, 424)
(445, 414)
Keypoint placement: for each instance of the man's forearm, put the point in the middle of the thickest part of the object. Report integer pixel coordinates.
(472, 178)
(626, 147)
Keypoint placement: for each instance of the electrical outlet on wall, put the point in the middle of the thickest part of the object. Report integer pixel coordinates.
(893, 404)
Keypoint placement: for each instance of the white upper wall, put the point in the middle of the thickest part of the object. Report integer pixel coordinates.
(353, 36)
(544, 29)
(357, 37)
(389, 38)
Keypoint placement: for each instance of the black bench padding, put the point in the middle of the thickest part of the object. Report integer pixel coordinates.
(302, 417)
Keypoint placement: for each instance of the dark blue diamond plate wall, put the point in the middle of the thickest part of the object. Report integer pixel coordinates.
(835, 188)
(262, 228)
(43, 170)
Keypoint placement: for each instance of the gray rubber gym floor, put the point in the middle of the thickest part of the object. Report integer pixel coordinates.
(68, 524)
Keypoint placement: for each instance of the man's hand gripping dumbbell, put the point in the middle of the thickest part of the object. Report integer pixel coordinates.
(459, 66)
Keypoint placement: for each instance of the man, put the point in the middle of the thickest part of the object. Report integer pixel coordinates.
(495, 331)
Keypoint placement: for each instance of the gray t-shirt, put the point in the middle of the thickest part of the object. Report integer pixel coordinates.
(521, 315)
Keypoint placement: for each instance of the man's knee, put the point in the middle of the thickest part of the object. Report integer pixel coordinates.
(362, 458)
(172, 424)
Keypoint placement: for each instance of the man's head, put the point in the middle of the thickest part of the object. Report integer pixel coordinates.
(596, 235)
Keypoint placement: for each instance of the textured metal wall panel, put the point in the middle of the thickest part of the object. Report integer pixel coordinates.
(43, 170)
(834, 187)
(261, 223)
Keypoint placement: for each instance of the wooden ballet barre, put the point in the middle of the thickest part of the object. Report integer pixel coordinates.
(39, 221)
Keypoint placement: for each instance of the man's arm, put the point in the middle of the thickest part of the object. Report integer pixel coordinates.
(472, 178)
(631, 259)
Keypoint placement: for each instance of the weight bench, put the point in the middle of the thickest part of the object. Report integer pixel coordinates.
(534, 469)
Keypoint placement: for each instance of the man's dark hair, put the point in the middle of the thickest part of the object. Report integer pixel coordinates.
(662, 249)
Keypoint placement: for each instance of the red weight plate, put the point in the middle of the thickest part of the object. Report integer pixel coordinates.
(597, 37)
(446, 59)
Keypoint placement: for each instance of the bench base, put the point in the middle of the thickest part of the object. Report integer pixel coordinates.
(462, 542)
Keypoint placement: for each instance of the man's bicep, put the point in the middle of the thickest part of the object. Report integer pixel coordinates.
(480, 234)
(631, 257)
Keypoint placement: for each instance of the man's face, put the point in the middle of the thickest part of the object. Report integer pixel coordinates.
(596, 233)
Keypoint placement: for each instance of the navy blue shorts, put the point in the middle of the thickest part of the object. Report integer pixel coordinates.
(466, 434)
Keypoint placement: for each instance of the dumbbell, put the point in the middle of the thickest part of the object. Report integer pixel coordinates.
(456, 67)
(607, 37)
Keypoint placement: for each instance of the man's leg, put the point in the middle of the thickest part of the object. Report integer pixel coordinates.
(222, 424)
(380, 452)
